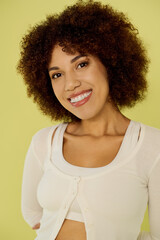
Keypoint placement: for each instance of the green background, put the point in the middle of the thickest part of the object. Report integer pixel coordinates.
(20, 117)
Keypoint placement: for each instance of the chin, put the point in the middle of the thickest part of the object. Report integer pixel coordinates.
(84, 116)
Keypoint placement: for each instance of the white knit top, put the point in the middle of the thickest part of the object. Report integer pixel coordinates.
(129, 142)
(111, 200)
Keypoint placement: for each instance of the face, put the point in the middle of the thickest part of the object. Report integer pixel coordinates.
(79, 83)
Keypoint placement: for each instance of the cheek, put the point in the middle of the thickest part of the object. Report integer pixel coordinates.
(56, 90)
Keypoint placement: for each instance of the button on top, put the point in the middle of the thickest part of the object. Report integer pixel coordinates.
(77, 179)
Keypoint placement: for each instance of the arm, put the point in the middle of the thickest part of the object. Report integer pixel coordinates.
(153, 204)
(31, 210)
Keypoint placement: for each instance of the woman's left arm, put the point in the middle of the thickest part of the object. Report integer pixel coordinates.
(153, 204)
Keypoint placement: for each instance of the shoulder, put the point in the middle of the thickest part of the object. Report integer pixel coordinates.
(148, 149)
(151, 149)
(151, 131)
(44, 132)
(42, 138)
(151, 136)
(41, 142)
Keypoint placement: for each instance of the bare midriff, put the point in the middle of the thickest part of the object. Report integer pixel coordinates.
(72, 230)
(99, 152)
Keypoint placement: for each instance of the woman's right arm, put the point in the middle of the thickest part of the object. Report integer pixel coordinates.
(32, 173)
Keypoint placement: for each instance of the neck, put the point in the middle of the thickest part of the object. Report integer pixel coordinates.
(110, 122)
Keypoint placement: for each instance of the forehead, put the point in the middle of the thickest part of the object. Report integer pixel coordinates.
(59, 56)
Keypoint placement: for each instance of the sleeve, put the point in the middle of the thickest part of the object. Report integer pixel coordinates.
(32, 173)
(153, 204)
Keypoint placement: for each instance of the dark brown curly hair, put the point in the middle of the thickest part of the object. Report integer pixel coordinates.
(85, 27)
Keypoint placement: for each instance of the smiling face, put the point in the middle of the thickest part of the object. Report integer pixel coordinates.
(83, 75)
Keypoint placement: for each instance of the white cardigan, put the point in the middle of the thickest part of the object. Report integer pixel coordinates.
(112, 199)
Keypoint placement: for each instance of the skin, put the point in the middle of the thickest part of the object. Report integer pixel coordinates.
(101, 122)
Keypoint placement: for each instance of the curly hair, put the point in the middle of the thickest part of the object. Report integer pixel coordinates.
(85, 27)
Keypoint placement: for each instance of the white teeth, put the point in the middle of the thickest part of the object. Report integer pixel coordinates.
(80, 97)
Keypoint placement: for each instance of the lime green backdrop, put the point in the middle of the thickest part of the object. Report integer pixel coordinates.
(20, 118)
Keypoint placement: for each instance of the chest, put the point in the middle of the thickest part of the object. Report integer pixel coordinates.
(85, 152)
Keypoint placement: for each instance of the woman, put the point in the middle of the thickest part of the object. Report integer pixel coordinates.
(91, 176)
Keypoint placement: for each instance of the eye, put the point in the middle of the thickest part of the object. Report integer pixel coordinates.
(56, 75)
(82, 64)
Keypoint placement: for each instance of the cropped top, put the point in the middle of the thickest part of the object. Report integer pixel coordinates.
(111, 200)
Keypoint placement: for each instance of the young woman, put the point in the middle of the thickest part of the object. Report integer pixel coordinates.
(91, 176)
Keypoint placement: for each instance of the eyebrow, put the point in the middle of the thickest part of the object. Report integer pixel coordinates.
(72, 61)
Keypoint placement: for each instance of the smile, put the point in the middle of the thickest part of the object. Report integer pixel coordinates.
(81, 99)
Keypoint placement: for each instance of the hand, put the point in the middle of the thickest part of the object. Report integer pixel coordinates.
(37, 226)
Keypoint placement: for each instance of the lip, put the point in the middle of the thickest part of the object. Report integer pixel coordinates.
(79, 93)
(81, 102)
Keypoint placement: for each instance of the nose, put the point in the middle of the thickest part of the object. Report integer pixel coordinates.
(71, 82)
